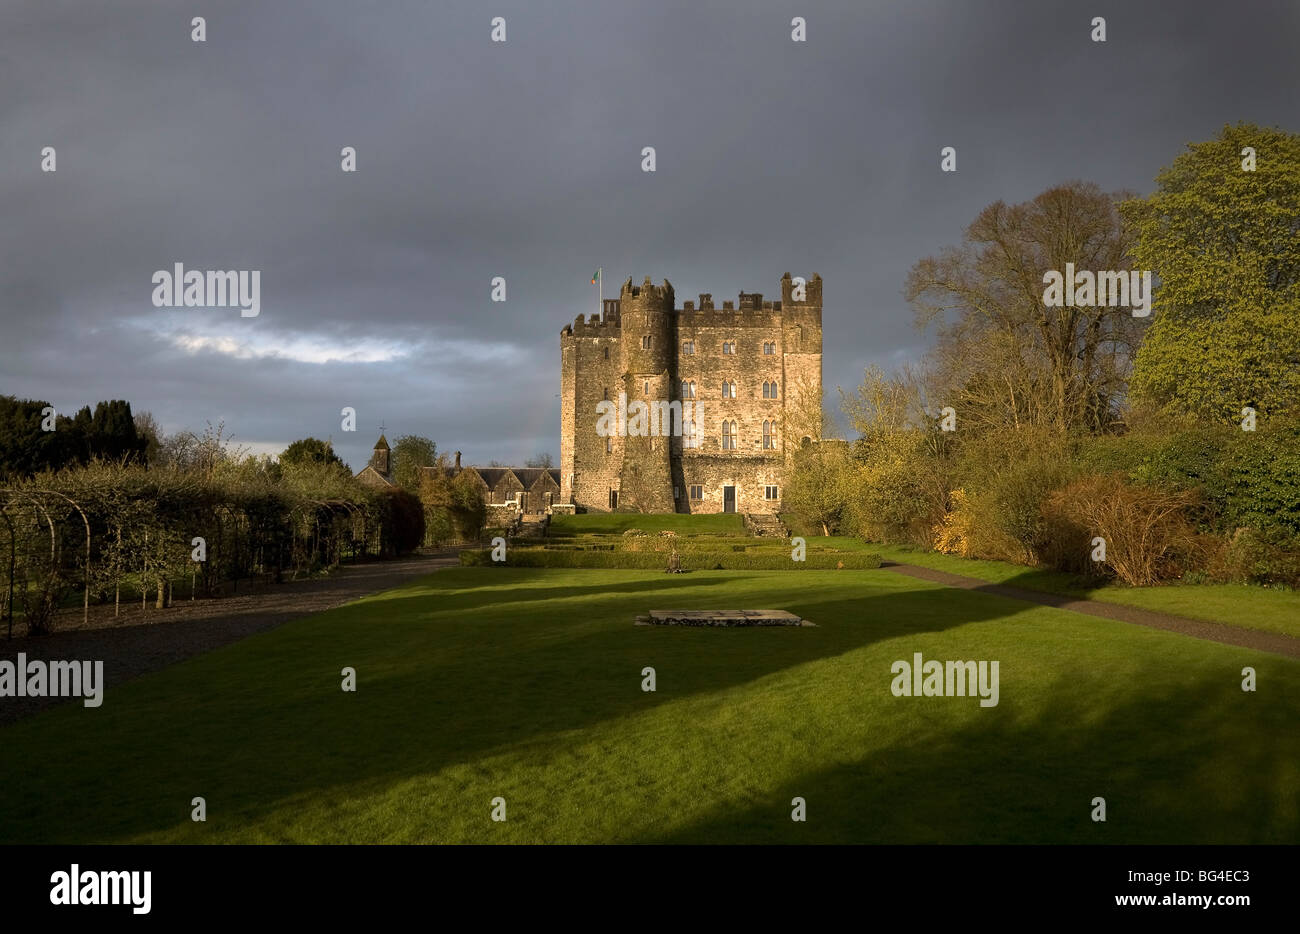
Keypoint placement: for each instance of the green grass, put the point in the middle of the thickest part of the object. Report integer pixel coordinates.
(525, 684)
(1232, 604)
(616, 523)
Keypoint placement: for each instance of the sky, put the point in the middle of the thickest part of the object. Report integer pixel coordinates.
(523, 159)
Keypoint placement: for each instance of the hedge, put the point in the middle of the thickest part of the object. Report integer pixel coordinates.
(657, 561)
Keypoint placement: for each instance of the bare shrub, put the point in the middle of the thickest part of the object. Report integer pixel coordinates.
(1148, 535)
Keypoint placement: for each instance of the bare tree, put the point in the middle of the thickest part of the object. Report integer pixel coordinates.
(1004, 358)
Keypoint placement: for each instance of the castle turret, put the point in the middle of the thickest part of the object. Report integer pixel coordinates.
(649, 349)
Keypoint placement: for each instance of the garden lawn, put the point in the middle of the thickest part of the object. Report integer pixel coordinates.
(1272, 610)
(525, 684)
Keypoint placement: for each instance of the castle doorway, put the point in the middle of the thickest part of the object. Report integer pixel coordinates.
(728, 499)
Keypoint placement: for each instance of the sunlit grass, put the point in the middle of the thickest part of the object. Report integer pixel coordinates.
(526, 684)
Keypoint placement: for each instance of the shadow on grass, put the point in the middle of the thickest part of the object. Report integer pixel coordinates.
(264, 720)
(1205, 764)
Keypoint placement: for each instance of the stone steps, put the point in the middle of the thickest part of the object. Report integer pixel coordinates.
(765, 525)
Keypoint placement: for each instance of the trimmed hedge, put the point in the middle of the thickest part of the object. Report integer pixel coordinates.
(658, 561)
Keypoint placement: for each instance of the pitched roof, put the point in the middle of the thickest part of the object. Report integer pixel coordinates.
(369, 471)
(530, 475)
(493, 475)
(382, 444)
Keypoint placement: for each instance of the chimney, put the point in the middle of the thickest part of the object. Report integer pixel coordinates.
(458, 460)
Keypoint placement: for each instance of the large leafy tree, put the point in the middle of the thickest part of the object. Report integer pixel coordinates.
(1225, 244)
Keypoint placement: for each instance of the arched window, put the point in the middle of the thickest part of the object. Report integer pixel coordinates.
(767, 390)
(729, 436)
(769, 441)
(728, 390)
(775, 395)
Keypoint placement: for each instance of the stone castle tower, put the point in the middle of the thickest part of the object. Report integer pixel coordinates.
(729, 386)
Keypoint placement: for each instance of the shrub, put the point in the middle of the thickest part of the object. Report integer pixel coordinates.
(404, 521)
(1252, 557)
(898, 490)
(1147, 532)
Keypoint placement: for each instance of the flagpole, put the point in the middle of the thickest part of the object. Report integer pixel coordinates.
(600, 291)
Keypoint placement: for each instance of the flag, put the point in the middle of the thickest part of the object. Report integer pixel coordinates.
(595, 277)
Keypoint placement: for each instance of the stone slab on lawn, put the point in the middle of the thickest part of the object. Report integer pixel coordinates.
(721, 618)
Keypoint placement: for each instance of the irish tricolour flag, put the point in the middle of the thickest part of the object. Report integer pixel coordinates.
(595, 277)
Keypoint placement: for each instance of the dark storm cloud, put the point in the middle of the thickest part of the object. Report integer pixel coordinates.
(522, 160)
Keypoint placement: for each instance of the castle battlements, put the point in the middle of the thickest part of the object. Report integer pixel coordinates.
(649, 298)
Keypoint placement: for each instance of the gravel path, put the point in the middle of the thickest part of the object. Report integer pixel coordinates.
(142, 641)
(1276, 643)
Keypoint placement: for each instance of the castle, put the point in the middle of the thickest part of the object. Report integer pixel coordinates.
(741, 379)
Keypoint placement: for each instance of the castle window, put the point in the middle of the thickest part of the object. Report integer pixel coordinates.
(606, 353)
(688, 390)
(729, 436)
(609, 445)
(645, 387)
(613, 499)
(774, 393)
(769, 441)
(697, 492)
(767, 390)
(688, 347)
(606, 393)
(690, 434)
(769, 347)
(728, 390)
(728, 347)
(645, 342)
(770, 492)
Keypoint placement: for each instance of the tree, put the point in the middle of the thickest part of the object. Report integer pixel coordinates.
(410, 454)
(815, 486)
(453, 505)
(25, 448)
(1225, 243)
(1006, 358)
(540, 459)
(310, 451)
(404, 529)
(147, 428)
(112, 434)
